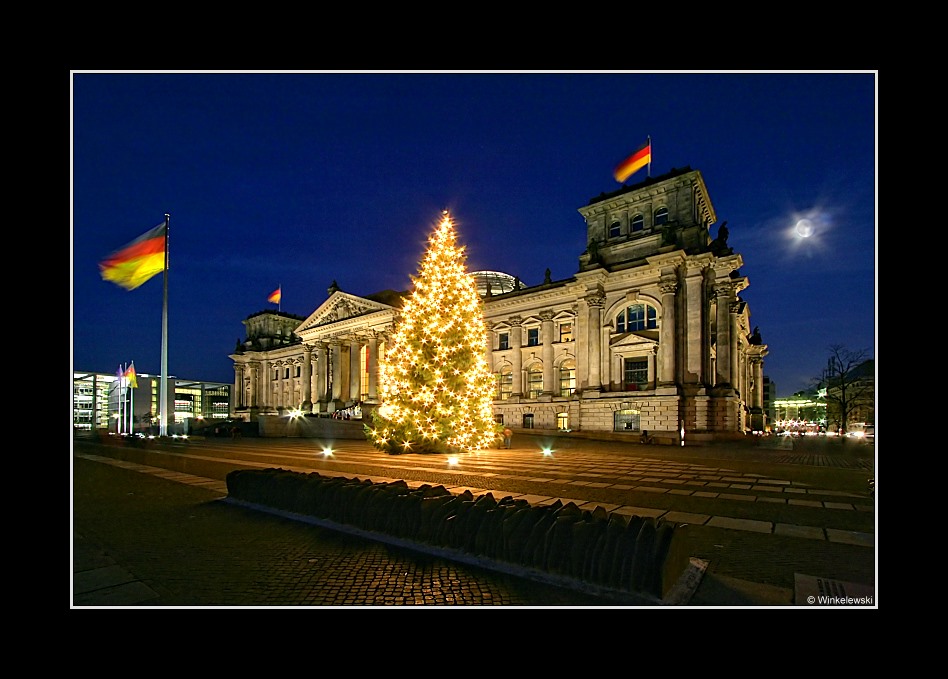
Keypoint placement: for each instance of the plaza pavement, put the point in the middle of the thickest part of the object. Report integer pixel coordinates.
(772, 525)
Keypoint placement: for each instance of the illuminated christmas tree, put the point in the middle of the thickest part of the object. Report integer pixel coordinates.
(435, 383)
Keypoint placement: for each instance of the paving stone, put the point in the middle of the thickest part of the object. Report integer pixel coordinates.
(850, 537)
(687, 517)
(805, 503)
(740, 524)
(793, 530)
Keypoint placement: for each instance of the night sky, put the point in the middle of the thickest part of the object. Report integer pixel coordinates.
(299, 179)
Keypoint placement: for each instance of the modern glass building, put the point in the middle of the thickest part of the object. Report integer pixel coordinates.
(108, 402)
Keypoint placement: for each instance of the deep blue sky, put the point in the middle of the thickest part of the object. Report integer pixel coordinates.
(298, 179)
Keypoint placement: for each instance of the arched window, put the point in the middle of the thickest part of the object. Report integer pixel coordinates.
(637, 223)
(661, 215)
(637, 317)
(614, 229)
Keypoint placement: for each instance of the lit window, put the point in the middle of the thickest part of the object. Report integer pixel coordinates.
(635, 374)
(533, 337)
(568, 378)
(503, 340)
(627, 420)
(566, 332)
(637, 223)
(637, 317)
(505, 384)
(661, 215)
(535, 381)
(562, 421)
(614, 229)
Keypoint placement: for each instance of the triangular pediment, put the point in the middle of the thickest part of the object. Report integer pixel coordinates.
(635, 339)
(341, 306)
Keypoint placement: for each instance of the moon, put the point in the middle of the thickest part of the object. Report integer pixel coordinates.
(804, 228)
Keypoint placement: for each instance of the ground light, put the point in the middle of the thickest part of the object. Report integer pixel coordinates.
(453, 461)
(327, 452)
(547, 452)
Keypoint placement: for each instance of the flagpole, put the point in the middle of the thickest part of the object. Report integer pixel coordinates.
(649, 171)
(131, 409)
(121, 427)
(163, 402)
(280, 303)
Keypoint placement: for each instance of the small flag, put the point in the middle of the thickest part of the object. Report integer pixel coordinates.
(132, 376)
(276, 295)
(639, 159)
(137, 261)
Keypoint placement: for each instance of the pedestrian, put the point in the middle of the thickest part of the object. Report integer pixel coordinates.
(508, 435)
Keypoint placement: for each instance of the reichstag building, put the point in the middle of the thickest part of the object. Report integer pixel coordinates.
(649, 335)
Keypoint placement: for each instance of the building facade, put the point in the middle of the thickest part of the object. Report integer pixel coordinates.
(106, 402)
(650, 334)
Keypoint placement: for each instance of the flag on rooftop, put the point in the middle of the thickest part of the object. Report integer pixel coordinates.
(276, 295)
(641, 157)
(136, 262)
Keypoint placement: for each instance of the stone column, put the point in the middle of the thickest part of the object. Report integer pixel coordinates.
(307, 378)
(516, 342)
(722, 342)
(355, 370)
(695, 328)
(322, 372)
(335, 349)
(667, 344)
(733, 353)
(757, 366)
(546, 332)
(237, 401)
(594, 303)
(373, 349)
(263, 384)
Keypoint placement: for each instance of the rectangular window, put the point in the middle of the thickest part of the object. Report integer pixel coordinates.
(535, 383)
(528, 421)
(635, 374)
(276, 373)
(503, 340)
(627, 420)
(506, 385)
(286, 373)
(533, 337)
(297, 371)
(567, 381)
(566, 332)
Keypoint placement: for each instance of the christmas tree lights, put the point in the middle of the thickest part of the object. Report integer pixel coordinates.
(434, 380)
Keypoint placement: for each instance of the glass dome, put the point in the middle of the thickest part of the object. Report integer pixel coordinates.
(498, 281)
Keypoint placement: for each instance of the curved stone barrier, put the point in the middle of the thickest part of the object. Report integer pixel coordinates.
(637, 559)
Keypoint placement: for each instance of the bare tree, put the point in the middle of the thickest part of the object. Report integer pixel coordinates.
(849, 382)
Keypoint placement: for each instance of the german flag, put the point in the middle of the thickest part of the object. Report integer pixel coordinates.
(639, 159)
(137, 261)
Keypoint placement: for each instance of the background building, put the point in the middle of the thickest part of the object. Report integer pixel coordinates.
(106, 402)
(650, 334)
